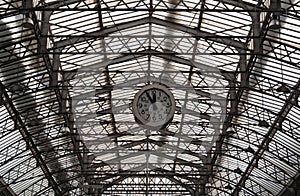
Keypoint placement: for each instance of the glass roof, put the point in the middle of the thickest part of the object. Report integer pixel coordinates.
(69, 71)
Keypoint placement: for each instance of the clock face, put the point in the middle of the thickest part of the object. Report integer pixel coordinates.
(154, 105)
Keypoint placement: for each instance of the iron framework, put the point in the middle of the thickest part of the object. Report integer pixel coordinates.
(69, 71)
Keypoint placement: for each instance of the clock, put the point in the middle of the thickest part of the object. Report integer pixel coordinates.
(154, 106)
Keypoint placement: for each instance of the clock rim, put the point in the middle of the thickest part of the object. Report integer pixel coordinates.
(140, 119)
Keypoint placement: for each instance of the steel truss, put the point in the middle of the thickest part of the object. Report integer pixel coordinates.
(70, 69)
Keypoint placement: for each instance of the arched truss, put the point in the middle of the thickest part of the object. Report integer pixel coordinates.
(69, 71)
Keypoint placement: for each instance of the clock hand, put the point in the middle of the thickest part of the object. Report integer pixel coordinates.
(149, 97)
(154, 97)
(154, 102)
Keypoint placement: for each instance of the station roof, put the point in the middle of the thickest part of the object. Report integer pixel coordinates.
(69, 71)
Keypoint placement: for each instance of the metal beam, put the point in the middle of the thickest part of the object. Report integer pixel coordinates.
(28, 138)
(107, 31)
(41, 32)
(99, 33)
(199, 33)
(249, 10)
(5, 190)
(161, 174)
(261, 33)
(276, 125)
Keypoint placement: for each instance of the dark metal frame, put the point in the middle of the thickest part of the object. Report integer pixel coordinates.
(84, 170)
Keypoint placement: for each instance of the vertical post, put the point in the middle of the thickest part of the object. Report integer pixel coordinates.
(45, 25)
(26, 5)
(244, 70)
(233, 96)
(54, 70)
